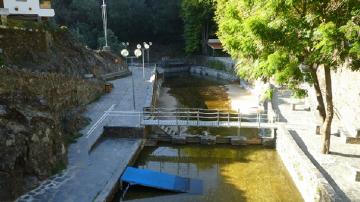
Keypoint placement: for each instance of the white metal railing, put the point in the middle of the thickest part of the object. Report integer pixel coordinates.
(197, 117)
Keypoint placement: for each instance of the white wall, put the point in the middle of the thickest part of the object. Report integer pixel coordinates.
(27, 7)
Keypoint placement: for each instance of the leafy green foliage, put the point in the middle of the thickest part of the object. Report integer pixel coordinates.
(271, 39)
(197, 16)
(268, 95)
(132, 21)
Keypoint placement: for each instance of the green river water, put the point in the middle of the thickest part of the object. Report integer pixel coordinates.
(250, 173)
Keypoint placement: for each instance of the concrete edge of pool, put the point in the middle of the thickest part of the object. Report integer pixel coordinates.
(311, 184)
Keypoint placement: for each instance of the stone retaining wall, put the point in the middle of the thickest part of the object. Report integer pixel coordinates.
(124, 132)
(206, 71)
(346, 98)
(309, 181)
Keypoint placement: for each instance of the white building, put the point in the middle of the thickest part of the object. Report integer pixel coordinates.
(28, 8)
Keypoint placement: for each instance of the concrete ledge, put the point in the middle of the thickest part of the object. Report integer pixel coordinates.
(208, 140)
(152, 142)
(4, 12)
(107, 194)
(312, 185)
(223, 140)
(254, 141)
(124, 132)
(164, 138)
(236, 141)
(178, 140)
(193, 139)
(206, 71)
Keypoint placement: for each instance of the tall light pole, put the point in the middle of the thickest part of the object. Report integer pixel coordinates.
(104, 18)
(141, 49)
(125, 53)
(148, 52)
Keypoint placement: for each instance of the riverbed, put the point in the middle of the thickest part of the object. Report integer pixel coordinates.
(251, 173)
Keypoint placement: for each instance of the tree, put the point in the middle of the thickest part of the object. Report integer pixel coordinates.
(197, 16)
(134, 21)
(275, 38)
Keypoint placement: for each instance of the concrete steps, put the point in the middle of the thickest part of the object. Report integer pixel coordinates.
(168, 130)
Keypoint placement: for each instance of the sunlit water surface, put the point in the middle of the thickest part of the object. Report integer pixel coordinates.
(251, 173)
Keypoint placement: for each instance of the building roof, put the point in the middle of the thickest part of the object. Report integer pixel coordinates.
(215, 44)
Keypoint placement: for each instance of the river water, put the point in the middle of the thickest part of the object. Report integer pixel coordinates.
(251, 173)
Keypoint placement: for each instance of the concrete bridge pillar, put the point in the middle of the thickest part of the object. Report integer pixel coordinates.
(4, 12)
(147, 131)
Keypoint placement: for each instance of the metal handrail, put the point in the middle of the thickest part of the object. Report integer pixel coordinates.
(189, 115)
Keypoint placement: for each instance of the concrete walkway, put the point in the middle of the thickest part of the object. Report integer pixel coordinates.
(90, 172)
(336, 167)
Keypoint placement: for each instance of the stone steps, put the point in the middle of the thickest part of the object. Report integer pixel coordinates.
(168, 130)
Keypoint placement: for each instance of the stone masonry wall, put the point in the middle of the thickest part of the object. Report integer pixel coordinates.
(309, 181)
(346, 97)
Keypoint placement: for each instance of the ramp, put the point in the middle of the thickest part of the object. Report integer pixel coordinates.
(163, 181)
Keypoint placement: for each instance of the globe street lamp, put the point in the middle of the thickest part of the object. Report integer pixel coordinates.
(147, 47)
(125, 53)
(140, 51)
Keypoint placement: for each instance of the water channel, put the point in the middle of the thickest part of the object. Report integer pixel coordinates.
(250, 173)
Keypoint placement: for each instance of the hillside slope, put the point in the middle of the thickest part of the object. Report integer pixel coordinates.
(55, 51)
(42, 96)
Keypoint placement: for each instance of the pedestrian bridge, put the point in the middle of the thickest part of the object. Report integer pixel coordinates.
(200, 118)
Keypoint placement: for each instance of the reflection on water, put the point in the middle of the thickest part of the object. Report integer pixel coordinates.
(228, 173)
(187, 91)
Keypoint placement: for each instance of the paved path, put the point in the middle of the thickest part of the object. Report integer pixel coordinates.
(335, 167)
(89, 172)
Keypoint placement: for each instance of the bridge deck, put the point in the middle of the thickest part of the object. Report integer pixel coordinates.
(195, 123)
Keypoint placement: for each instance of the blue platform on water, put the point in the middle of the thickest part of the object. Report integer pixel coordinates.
(149, 178)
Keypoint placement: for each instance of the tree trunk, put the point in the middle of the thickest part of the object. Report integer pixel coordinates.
(326, 127)
(319, 97)
(205, 39)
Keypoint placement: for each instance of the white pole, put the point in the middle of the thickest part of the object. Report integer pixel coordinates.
(133, 90)
(143, 58)
(148, 57)
(104, 16)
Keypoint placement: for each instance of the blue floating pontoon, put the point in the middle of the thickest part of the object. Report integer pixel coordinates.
(149, 178)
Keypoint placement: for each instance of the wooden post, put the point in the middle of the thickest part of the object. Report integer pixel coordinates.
(218, 117)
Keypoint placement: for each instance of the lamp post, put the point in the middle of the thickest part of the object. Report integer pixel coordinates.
(104, 18)
(125, 53)
(141, 49)
(147, 47)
